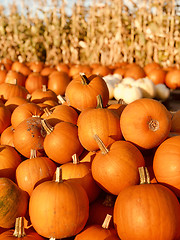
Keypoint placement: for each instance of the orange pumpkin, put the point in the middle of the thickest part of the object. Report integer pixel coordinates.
(14, 202)
(19, 232)
(5, 118)
(58, 209)
(175, 124)
(98, 232)
(3, 73)
(12, 76)
(35, 81)
(147, 211)
(157, 75)
(102, 70)
(166, 164)
(81, 92)
(25, 111)
(81, 173)
(61, 141)
(145, 122)
(58, 82)
(150, 66)
(20, 67)
(135, 71)
(42, 168)
(9, 161)
(28, 135)
(115, 164)
(14, 102)
(42, 95)
(7, 136)
(172, 79)
(100, 121)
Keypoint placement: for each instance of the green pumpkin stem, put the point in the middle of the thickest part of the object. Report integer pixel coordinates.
(106, 222)
(19, 228)
(144, 175)
(101, 145)
(85, 80)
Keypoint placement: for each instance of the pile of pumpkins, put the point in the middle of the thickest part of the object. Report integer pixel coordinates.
(75, 166)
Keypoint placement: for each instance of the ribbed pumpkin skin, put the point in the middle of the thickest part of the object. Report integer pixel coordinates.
(81, 173)
(82, 96)
(135, 120)
(100, 121)
(58, 209)
(25, 111)
(42, 168)
(5, 118)
(96, 232)
(7, 136)
(166, 164)
(62, 143)
(30, 235)
(13, 202)
(35, 81)
(147, 211)
(9, 161)
(118, 168)
(28, 135)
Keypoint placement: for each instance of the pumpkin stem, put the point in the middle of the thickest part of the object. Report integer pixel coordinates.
(144, 175)
(44, 88)
(19, 228)
(101, 145)
(2, 67)
(109, 200)
(47, 127)
(75, 159)
(58, 175)
(28, 97)
(153, 125)
(33, 153)
(47, 111)
(85, 80)
(107, 221)
(99, 101)
(121, 101)
(61, 100)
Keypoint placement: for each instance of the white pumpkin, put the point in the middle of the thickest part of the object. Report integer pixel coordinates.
(128, 80)
(127, 92)
(162, 91)
(111, 82)
(147, 87)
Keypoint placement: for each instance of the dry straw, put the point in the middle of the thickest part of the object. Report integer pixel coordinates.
(106, 32)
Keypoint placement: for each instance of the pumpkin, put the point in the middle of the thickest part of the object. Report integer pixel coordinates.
(12, 76)
(64, 67)
(3, 73)
(25, 111)
(7, 136)
(102, 70)
(61, 113)
(42, 95)
(147, 87)
(81, 92)
(42, 168)
(58, 208)
(172, 79)
(145, 122)
(150, 66)
(175, 124)
(14, 102)
(100, 121)
(116, 163)
(166, 164)
(98, 232)
(20, 67)
(20, 232)
(58, 82)
(35, 81)
(46, 71)
(8, 90)
(14, 202)
(61, 141)
(36, 66)
(135, 71)
(157, 75)
(147, 211)
(7, 63)
(29, 134)
(81, 173)
(5, 118)
(162, 91)
(9, 161)
(118, 107)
